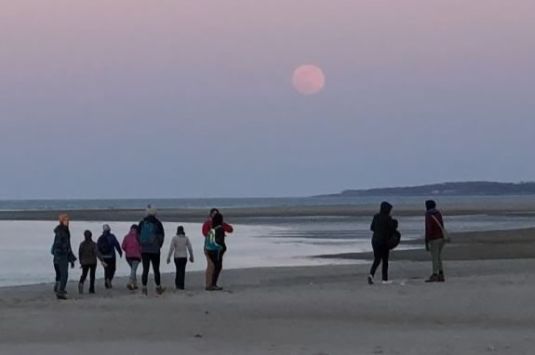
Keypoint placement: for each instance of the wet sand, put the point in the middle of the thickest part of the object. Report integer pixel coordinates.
(486, 306)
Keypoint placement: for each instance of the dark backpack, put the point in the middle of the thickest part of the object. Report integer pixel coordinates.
(104, 245)
(394, 240)
(147, 235)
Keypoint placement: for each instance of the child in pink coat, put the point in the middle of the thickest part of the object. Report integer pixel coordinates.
(132, 250)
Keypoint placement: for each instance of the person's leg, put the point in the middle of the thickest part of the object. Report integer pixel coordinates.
(181, 272)
(107, 272)
(440, 265)
(209, 269)
(85, 270)
(384, 258)
(177, 271)
(64, 275)
(218, 266)
(113, 266)
(92, 272)
(57, 278)
(145, 258)
(376, 260)
(133, 272)
(155, 259)
(434, 246)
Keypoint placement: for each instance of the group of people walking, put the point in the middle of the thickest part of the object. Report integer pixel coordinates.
(142, 245)
(386, 237)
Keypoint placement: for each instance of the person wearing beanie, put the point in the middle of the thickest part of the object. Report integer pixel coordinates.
(88, 255)
(107, 244)
(434, 239)
(383, 228)
(63, 255)
(179, 249)
(151, 238)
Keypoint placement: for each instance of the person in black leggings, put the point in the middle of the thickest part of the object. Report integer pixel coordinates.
(151, 237)
(216, 257)
(382, 227)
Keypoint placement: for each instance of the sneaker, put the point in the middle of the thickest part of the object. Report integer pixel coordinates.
(386, 282)
(91, 290)
(432, 278)
(217, 288)
(210, 288)
(370, 280)
(160, 290)
(145, 291)
(130, 287)
(80, 288)
(56, 287)
(107, 283)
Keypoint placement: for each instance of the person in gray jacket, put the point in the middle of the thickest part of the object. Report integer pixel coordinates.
(63, 255)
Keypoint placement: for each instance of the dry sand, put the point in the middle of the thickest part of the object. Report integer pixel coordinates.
(485, 307)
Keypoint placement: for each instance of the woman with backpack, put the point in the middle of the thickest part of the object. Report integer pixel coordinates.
(214, 249)
(383, 228)
(151, 237)
(435, 238)
(206, 228)
(107, 245)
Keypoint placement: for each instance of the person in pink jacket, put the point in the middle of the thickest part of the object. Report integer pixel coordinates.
(132, 250)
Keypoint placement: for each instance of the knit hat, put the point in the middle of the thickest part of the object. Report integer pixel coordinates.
(106, 228)
(151, 211)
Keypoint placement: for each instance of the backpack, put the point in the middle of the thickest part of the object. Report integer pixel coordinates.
(394, 240)
(104, 245)
(210, 242)
(147, 235)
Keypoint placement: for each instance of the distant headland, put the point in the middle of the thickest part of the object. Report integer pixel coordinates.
(476, 188)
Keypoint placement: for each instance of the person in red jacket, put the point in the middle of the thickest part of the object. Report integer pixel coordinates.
(434, 239)
(206, 227)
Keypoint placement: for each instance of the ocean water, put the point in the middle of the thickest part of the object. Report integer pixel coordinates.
(25, 245)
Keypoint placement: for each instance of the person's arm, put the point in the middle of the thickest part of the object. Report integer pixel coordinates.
(427, 230)
(80, 252)
(190, 249)
(123, 244)
(117, 246)
(228, 228)
(161, 233)
(171, 250)
(206, 228)
(372, 226)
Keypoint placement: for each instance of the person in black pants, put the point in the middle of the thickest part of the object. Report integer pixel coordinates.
(151, 237)
(382, 227)
(107, 244)
(88, 255)
(216, 256)
(179, 249)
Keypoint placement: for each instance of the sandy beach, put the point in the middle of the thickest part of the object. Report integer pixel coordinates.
(484, 307)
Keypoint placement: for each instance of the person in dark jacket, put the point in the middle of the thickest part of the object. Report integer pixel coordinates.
(382, 227)
(434, 239)
(63, 255)
(206, 227)
(107, 244)
(216, 255)
(88, 255)
(151, 238)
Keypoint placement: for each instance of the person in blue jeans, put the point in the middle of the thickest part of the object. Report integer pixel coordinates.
(63, 255)
(107, 244)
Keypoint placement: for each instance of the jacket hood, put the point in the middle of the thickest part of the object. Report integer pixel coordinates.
(386, 208)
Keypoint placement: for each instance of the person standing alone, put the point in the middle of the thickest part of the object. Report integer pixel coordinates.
(383, 228)
(435, 238)
(151, 237)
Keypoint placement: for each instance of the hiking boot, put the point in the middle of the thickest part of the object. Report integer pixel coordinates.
(145, 291)
(80, 288)
(61, 296)
(432, 278)
(130, 287)
(160, 290)
(217, 288)
(370, 280)
(441, 277)
(91, 290)
(107, 283)
(386, 282)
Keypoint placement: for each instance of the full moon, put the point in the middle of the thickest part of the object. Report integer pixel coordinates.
(308, 79)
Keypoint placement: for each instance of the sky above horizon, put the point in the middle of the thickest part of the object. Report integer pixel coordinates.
(124, 98)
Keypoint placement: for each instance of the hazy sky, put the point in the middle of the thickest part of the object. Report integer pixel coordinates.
(170, 98)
